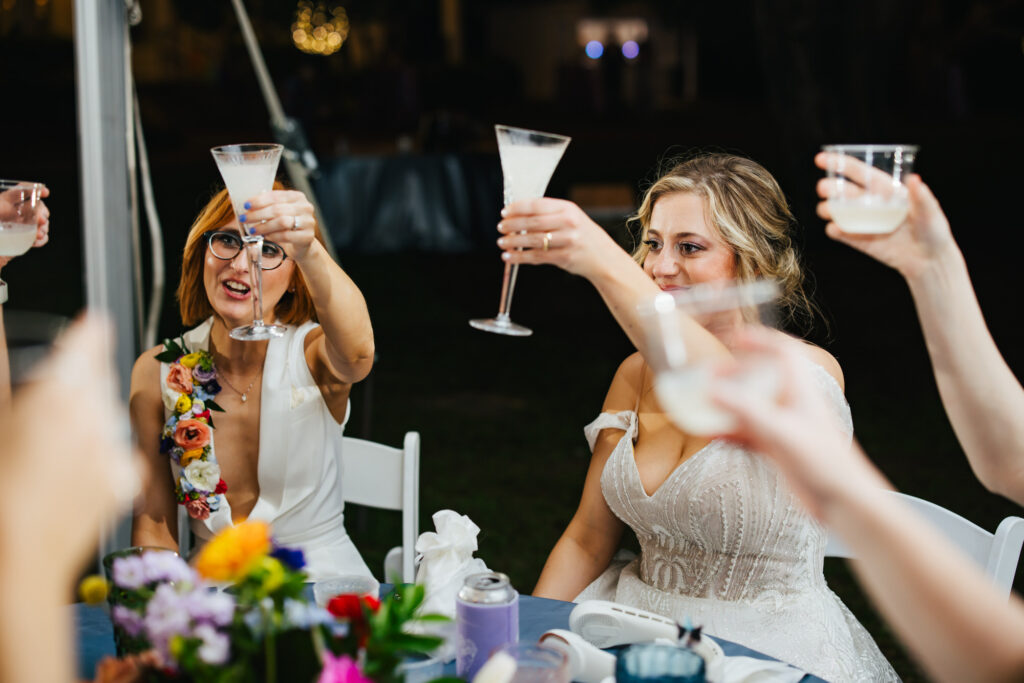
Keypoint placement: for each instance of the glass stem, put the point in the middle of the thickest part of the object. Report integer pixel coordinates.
(508, 285)
(255, 250)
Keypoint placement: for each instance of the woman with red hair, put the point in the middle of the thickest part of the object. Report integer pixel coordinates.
(274, 452)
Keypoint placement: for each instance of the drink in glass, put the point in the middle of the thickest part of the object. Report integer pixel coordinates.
(19, 216)
(683, 384)
(248, 170)
(867, 194)
(528, 159)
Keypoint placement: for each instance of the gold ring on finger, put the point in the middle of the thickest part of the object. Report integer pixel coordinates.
(547, 240)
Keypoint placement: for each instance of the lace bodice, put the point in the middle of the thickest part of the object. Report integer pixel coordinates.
(725, 542)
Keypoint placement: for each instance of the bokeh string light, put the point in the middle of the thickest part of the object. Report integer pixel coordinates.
(318, 30)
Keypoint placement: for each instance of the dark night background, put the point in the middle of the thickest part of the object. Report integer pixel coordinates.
(401, 119)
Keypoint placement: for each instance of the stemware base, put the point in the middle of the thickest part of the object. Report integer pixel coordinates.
(257, 332)
(501, 325)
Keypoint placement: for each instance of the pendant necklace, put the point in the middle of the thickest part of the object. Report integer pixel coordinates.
(243, 394)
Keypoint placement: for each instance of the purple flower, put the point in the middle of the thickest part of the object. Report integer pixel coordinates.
(167, 567)
(128, 619)
(212, 387)
(166, 444)
(215, 648)
(210, 607)
(292, 557)
(204, 376)
(166, 617)
(129, 572)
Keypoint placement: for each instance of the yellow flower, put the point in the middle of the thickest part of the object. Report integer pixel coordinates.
(189, 456)
(275, 574)
(190, 361)
(93, 589)
(176, 645)
(234, 552)
(182, 405)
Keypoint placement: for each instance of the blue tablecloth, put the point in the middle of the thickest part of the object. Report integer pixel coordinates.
(536, 615)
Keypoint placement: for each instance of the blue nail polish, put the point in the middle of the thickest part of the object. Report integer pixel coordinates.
(247, 206)
(252, 231)
(241, 219)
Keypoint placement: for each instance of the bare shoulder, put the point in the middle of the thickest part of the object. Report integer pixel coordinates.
(627, 383)
(146, 371)
(820, 356)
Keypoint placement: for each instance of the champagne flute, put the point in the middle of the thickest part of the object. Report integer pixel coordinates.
(19, 216)
(248, 170)
(528, 158)
(683, 384)
(866, 191)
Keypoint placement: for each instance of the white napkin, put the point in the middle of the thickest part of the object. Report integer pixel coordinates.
(446, 559)
(751, 670)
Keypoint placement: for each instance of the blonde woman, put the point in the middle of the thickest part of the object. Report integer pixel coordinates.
(723, 540)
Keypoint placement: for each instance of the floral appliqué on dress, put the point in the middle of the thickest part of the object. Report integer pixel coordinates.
(187, 435)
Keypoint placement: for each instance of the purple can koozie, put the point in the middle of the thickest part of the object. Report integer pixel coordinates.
(486, 617)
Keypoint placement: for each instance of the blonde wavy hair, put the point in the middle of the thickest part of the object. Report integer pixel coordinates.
(748, 209)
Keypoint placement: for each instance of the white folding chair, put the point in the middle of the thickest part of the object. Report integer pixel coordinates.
(380, 476)
(996, 553)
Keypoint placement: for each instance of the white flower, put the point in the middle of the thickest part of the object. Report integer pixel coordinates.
(203, 475)
(197, 406)
(215, 648)
(170, 397)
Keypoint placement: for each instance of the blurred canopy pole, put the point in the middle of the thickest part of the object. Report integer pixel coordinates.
(299, 159)
(100, 55)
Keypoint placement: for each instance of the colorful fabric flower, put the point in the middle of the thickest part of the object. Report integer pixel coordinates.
(341, 669)
(190, 360)
(180, 379)
(203, 475)
(203, 376)
(222, 487)
(191, 434)
(182, 405)
(198, 509)
(234, 552)
(188, 456)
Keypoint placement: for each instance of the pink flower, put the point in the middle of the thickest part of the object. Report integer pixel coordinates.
(341, 669)
(191, 434)
(198, 508)
(180, 379)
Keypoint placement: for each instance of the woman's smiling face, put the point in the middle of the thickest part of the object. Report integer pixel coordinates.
(685, 249)
(228, 287)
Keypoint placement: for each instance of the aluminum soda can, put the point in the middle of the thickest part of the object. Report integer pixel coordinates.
(486, 617)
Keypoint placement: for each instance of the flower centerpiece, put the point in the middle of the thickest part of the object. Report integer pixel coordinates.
(264, 627)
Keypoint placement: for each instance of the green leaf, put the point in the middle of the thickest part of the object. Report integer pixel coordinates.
(435, 618)
(168, 356)
(212, 405)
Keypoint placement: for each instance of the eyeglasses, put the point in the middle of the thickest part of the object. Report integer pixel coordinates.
(225, 245)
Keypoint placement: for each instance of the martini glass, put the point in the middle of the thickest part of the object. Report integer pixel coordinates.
(528, 158)
(247, 171)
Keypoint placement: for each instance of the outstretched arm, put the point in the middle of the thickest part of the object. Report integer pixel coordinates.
(580, 246)
(341, 352)
(980, 393)
(942, 606)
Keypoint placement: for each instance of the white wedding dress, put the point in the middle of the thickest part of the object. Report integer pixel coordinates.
(727, 545)
(299, 466)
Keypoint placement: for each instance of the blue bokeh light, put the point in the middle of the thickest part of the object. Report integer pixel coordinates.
(594, 49)
(630, 49)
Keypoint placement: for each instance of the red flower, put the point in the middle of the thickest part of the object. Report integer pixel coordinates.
(222, 487)
(354, 608)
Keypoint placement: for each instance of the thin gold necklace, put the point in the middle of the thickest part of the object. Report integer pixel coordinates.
(243, 394)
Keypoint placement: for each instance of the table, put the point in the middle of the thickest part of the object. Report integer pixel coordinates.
(536, 615)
